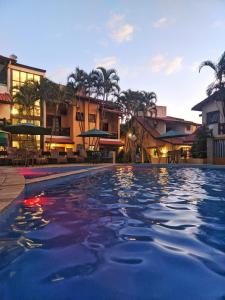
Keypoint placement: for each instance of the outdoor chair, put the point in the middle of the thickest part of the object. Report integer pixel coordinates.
(40, 159)
(71, 158)
(56, 158)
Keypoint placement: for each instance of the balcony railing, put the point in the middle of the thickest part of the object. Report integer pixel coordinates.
(221, 128)
(61, 132)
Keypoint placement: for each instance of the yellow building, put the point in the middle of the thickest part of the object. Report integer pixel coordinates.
(81, 115)
(12, 76)
(157, 137)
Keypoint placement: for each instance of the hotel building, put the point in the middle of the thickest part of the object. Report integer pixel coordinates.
(81, 114)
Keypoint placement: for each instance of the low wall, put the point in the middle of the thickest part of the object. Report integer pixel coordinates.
(161, 160)
(219, 161)
(198, 161)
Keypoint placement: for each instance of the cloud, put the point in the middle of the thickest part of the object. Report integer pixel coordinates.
(174, 66)
(163, 23)
(60, 75)
(119, 30)
(106, 62)
(158, 62)
(161, 63)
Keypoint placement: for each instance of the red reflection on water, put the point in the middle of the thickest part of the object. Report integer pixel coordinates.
(40, 200)
(31, 172)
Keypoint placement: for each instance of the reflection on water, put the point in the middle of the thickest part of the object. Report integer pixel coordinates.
(128, 233)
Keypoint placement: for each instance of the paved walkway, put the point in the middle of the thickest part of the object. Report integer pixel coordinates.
(11, 185)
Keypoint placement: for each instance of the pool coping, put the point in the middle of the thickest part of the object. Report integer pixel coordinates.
(64, 174)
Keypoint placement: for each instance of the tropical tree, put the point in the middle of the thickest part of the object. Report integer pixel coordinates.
(77, 87)
(134, 102)
(218, 85)
(107, 84)
(26, 97)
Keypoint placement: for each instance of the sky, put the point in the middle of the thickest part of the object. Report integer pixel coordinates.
(155, 45)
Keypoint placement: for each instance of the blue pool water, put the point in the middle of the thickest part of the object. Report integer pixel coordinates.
(124, 233)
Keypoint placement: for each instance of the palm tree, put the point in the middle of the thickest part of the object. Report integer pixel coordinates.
(107, 82)
(26, 97)
(149, 101)
(219, 83)
(76, 87)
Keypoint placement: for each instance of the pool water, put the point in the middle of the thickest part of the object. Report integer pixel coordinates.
(125, 233)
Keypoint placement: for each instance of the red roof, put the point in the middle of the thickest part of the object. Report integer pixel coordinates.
(58, 140)
(5, 97)
(173, 119)
(154, 133)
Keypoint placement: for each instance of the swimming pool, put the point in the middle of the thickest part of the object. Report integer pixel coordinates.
(123, 233)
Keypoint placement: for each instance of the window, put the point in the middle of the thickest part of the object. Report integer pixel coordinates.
(213, 117)
(3, 73)
(16, 75)
(80, 116)
(18, 79)
(188, 127)
(92, 118)
(105, 127)
(23, 76)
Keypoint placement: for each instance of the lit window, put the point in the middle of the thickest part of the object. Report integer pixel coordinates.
(30, 76)
(23, 76)
(16, 75)
(37, 78)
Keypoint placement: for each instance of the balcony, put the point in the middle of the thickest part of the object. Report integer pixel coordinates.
(221, 128)
(61, 132)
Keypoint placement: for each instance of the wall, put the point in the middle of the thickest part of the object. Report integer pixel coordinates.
(213, 106)
(4, 111)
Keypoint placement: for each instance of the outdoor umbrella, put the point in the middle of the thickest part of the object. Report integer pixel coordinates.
(95, 133)
(27, 128)
(4, 138)
(172, 134)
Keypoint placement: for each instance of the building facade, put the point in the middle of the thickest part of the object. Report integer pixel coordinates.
(158, 136)
(81, 115)
(67, 122)
(12, 76)
(213, 117)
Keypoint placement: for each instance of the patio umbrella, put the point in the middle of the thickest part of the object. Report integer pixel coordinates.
(4, 138)
(171, 134)
(95, 133)
(27, 128)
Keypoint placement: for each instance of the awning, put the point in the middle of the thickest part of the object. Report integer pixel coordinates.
(5, 98)
(111, 142)
(58, 140)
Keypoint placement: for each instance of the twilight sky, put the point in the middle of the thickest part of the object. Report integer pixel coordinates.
(156, 45)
